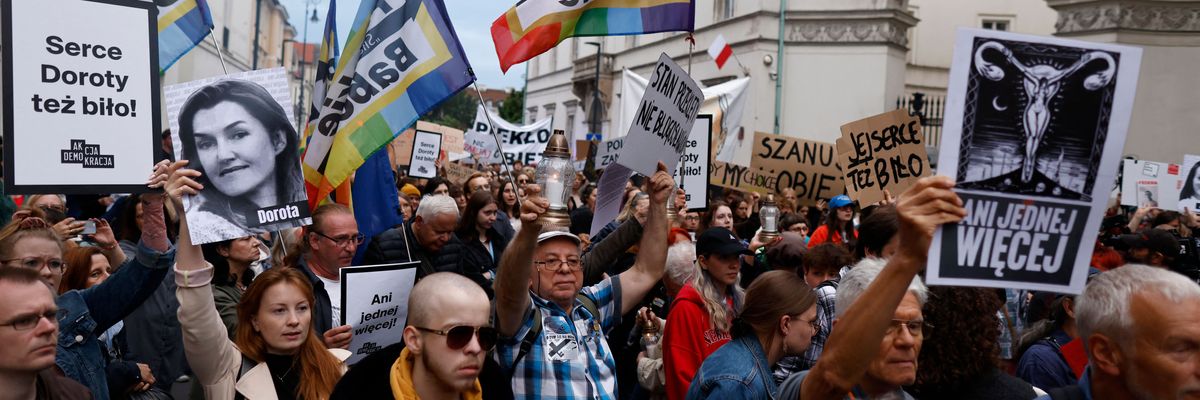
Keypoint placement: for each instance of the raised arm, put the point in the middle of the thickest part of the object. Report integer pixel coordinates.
(516, 265)
(843, 363)
(652, 250)
(605, 252)
(209, 351)
(137, 278)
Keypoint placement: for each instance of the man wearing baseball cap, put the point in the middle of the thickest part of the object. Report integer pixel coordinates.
(1153, 247)
(551, 327)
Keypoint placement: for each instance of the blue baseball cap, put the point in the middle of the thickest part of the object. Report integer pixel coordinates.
(840, 201)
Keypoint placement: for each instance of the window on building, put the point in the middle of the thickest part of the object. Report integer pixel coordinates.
(997, 24)
(225, 38)
(531, 114)
(723, 10)
(571, 123)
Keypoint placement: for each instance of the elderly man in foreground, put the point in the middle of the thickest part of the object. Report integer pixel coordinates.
(1141, 329)
(552, 328)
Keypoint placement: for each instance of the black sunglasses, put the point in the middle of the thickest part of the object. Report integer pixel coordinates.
(459, 336)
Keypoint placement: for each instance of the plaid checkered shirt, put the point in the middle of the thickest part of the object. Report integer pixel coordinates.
(570, 359)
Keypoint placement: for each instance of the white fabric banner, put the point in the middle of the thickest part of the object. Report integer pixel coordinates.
(520, 143)
(726, 102)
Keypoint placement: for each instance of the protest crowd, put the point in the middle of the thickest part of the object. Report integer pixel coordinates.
(261, 259)
(690, 307)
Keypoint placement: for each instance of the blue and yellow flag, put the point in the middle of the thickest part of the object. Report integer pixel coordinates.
(411, 63)
(181, 26)
(326, 62)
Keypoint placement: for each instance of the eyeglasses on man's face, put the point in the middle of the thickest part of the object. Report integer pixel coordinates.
(553, 265)
(30, 321)
(917, 328)
(344, 240)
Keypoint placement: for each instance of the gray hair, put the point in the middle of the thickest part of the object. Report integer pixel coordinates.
(855, 282)
(681, 262)
(435, 205)
(1104, 305)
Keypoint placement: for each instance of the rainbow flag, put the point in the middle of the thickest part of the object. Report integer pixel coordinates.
(412, 62)
(326, 61)
(533, 26)
(181, 26)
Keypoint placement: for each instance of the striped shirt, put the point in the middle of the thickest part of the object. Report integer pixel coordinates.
(570, 359)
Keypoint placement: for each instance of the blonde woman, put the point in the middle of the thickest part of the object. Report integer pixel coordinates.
(702, 313)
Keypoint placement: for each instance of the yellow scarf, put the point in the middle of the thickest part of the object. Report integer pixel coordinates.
(402, 382)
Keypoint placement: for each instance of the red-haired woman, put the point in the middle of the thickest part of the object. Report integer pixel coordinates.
(275, 352)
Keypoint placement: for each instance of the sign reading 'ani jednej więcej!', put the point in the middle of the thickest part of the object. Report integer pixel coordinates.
(1033, 134)
(375, 305)
(81, 99)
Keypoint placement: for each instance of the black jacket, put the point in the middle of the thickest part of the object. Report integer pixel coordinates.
(476, 261)
(323, 310)
(370, 378)
(393, 246)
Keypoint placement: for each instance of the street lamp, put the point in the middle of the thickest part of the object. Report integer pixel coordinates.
(555, 173)
(595, 111)
(303, 61)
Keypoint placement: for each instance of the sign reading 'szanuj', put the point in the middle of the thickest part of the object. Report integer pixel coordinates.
(663, 120)
(76, 85)
(1033, 135)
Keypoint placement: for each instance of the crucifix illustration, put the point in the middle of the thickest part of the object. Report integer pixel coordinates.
(1041, 82)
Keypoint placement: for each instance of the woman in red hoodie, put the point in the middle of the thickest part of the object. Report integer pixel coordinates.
(704, 309)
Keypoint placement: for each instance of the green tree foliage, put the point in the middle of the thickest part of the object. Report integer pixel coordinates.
(456, 112)
(511, 109)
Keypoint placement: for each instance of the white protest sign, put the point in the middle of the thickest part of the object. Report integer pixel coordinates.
(609, 192)
(426, 147)
(375, 305)
(1150, 184)
(692, 174)
(1189, 185)
(81, 105)
(1035, 194)
(609, 152)
(520, 143)
(664, 119)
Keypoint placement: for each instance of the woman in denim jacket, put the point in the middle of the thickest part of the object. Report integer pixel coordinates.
(778, 319)
(84, 315)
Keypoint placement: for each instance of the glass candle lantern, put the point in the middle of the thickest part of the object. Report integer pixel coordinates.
(769, 216)
(555, 173)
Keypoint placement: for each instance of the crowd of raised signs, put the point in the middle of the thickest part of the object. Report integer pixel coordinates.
(687, 304)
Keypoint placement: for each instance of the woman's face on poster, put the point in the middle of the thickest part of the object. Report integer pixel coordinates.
(235, 149)
(1196, 182)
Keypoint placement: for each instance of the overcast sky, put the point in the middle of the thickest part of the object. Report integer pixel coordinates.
(472, 20)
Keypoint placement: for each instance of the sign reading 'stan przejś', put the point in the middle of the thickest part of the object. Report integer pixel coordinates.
(778, 162)
(883, 152)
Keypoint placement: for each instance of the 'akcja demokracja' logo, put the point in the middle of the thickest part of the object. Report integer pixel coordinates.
(87, 155)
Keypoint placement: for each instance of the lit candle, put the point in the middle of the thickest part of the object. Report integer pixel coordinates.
(554, 193)
(769, 225)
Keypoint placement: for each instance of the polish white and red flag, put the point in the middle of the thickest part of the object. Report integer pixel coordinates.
(720, 51)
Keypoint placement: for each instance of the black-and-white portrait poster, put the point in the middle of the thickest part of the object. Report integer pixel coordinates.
(1033, 133)
(1189, 184)
(238, 131)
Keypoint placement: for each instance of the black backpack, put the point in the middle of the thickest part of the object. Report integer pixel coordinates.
(1073, 392)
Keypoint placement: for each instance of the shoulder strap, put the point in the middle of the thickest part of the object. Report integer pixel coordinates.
(1073, 392)
(831, 282)
(247, 364)
(536, 329)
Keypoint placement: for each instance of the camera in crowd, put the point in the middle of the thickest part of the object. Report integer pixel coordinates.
(1180, 254)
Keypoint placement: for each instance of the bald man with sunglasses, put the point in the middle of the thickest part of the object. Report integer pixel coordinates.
(445, 342)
